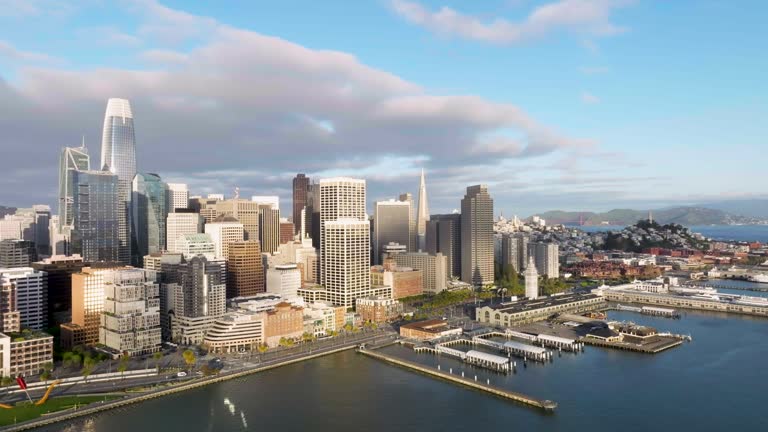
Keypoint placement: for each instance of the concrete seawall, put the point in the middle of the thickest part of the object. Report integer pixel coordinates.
(94, 408)
(546, 405)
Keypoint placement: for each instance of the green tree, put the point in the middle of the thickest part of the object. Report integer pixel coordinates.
(189, 358)
(157, 357)
(46, 375)
(88, 365)
(122, 365)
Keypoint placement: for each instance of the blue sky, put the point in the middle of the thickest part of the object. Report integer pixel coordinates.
(557, 104)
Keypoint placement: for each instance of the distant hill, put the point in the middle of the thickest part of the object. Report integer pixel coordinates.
(756, 208)
(679, 215)
(7, 210)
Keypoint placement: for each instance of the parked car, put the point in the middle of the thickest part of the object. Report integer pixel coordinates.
(181, 374)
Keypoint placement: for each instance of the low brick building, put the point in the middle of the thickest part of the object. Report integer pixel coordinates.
(377, 309)
(429, 329)
(284, 321)
(405, 281)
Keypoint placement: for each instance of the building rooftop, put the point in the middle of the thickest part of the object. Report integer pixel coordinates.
(540, 303)
(429, 326)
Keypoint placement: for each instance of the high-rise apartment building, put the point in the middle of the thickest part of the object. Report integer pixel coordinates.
(130, 321)
(178, 197)
(59, 270)
(97, 212)
(514, 251)
(444, 236)
(300, 191)
(118, 156)
(28, 289)
(245, 269)
(88, 297)
(477, 236)
(195, 299)
(17, 253)
(180, 223)
(391, 225)
(546, 257)
(149, 212)
(223, 231)
(246, 212)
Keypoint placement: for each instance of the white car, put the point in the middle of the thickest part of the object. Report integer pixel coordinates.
(181, 374)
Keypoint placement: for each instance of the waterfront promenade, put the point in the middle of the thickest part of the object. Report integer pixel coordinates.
(243, 370)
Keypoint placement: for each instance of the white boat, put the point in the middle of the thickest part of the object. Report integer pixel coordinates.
(758, 277)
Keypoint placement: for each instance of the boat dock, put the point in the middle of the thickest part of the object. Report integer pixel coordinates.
(546, 405)
(650, 310)
(651, 348)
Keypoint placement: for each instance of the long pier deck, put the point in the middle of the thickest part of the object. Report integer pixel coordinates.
(546, 405)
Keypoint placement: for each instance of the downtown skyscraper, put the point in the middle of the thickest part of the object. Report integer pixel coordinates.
(422, 214)
(300, 192)
(477, 236)
(118, 156)
(72, 159)
(149, 212)
(344, 240)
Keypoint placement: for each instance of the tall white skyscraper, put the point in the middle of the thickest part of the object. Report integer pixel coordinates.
(179, 224)
(347, 262)
(178, 196)
(391, 223)
(224, 231)
(345, 235)
(422, 214)
(118, 156)
(531, 280)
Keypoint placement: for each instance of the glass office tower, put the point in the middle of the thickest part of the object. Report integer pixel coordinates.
(96, 211)
(149, 210)
(118, 156)
(72, 159)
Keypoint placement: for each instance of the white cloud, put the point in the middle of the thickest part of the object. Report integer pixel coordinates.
(589, 98)
(591, 17)
(9, 51)
(244, 109)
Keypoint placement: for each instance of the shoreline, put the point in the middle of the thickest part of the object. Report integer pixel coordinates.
(130, 400)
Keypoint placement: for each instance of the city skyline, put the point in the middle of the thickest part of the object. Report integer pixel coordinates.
(537, 148)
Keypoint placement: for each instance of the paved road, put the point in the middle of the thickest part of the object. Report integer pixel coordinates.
(232, 364)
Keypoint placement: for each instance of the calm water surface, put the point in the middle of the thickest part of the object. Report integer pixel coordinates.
(718, 382)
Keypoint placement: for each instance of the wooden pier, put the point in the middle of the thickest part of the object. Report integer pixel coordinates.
(546, 405)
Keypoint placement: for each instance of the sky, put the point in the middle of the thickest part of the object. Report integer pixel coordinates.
(554, 104)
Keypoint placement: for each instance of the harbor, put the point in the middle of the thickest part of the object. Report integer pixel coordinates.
(546, 405)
